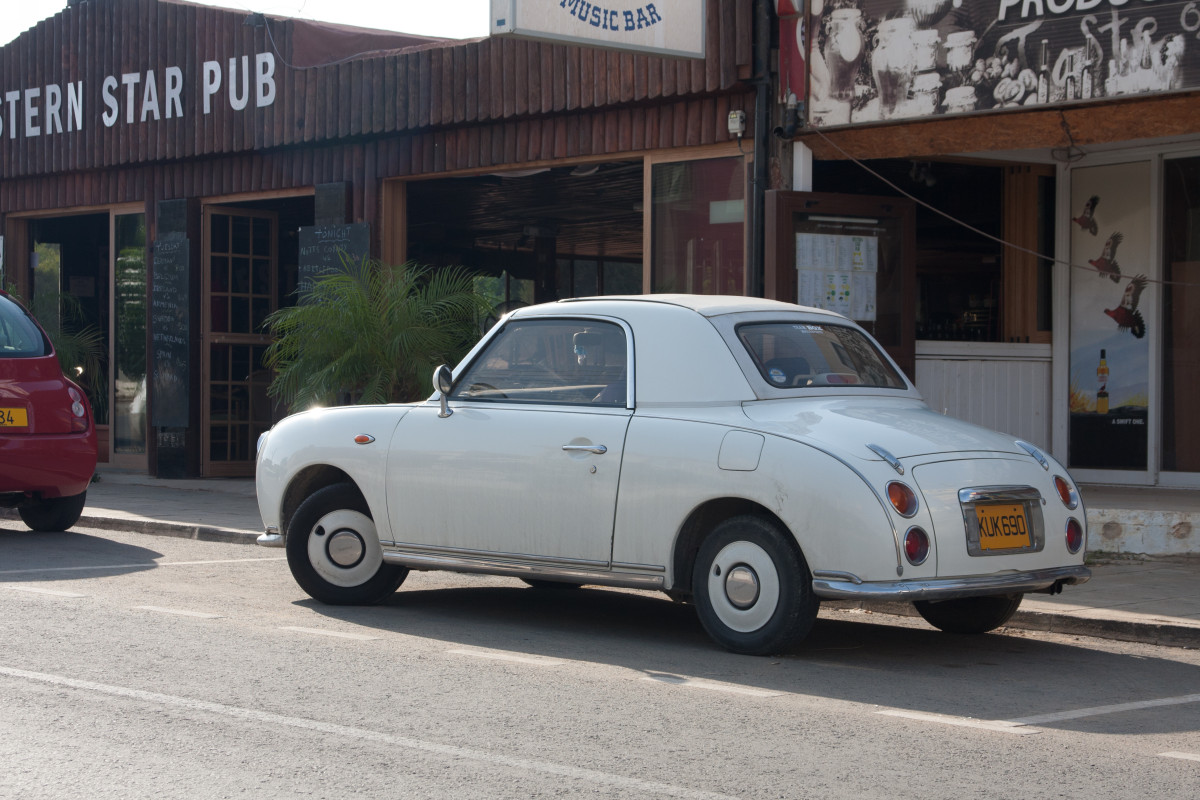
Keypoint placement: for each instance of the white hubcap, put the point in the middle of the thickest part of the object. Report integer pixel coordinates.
(743, 586)
(344, 548)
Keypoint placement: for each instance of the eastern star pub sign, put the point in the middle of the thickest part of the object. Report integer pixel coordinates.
(661, 27)
(136, 97)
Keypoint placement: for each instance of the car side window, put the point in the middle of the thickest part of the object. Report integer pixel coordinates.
(560, 361)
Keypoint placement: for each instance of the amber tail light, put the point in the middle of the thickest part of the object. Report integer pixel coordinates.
(1066, 492)
(902, 498)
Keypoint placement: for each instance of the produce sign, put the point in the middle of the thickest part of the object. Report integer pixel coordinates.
(873, 60)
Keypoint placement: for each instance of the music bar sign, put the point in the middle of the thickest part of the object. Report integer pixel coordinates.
(660, 27)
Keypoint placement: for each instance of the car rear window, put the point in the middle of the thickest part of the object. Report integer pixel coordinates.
(19, 336)
(809, 354)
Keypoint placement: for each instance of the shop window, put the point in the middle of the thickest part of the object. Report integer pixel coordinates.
(698, 226)
(1181, 314)
(590, 277)
(969, 286)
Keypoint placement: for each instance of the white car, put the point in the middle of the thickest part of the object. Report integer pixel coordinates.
(751, 456)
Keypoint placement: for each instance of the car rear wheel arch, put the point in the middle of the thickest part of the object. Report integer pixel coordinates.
(700, 523)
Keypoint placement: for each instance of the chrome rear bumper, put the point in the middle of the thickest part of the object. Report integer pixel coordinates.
(843, 586)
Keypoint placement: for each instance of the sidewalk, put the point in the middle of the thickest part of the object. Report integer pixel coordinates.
(1155, 601)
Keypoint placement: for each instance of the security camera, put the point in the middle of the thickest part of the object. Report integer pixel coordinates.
(737, 123)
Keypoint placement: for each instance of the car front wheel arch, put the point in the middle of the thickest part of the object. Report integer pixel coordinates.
(306, 483)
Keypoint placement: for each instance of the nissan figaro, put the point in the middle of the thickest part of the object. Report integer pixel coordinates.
(749, 456)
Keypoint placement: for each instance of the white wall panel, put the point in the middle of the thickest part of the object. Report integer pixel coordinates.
(1003, 387)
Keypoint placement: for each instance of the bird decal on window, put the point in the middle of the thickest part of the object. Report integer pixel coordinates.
(1087, 220)
(1106, 264)
(1126, 315)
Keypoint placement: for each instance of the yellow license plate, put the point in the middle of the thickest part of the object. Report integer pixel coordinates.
(13, 418)
(1002, 527)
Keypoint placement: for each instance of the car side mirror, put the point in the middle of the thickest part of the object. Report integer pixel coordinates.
(443, 383)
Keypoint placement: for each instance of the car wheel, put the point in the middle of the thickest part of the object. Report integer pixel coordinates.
(538, 583)
(752, 588)
(53, 514)
(334, 553)
(969, 614)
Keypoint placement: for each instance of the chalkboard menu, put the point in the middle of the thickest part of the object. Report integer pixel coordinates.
(170, 331)
(324, 247)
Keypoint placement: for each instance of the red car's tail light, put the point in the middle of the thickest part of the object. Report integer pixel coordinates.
(79, 416)
(1066, 492)
(916, 546)
(1074, 535)
(902, 498)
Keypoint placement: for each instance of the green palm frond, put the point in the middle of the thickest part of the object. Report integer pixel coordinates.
(372, 333)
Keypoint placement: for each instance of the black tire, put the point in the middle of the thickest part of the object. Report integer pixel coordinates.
(322, 539)
(969, 614)
(53, 514)
(553, 586)
(775, 607)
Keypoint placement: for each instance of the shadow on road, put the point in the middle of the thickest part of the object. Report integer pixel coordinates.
(864, 658)
(26, 555)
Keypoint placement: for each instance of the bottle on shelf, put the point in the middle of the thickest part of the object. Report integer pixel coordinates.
(1102, 379)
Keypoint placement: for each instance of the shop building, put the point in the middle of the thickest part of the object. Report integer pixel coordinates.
(1051, 285)
(179, 169)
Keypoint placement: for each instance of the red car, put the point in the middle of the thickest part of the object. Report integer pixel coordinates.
(47, 434)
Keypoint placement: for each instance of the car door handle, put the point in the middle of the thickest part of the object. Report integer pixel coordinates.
(598, 449)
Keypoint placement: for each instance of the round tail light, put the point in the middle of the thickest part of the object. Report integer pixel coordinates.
(916, 546)
(1066, 492)
(1074, 535)
(78, 410)
(902, 498)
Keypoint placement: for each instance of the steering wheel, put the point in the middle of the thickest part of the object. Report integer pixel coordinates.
(476, 388)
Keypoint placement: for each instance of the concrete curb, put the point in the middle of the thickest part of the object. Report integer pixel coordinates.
(157, 527)
(179, 530)
(1155, 633)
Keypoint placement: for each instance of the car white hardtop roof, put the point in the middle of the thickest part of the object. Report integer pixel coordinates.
(708, 305)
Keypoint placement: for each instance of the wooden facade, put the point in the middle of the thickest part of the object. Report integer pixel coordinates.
(178, 112)
(430, 108)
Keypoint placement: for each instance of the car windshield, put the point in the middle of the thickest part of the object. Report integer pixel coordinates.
(807, 354)
(19, 337)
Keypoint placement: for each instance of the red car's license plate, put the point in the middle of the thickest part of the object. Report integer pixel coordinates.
(1002, 527)
(13, 418)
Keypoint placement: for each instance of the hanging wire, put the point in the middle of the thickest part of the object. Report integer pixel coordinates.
(1072, 152)
(972, 228)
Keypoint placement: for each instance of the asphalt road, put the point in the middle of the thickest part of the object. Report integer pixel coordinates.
(135, 666)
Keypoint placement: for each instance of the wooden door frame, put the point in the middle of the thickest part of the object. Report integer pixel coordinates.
(208, 337)
(780, 279)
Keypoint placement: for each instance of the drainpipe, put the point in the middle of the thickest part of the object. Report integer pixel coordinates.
(762, 145)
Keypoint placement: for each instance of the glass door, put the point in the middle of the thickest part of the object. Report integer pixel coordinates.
(852, 254)
(1181, 316)
(239, 292)
(128, 337)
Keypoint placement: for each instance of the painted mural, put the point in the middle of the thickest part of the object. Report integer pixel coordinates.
(1111, 290)
(874, 60)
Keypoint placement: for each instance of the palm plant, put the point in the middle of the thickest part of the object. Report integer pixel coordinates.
(371, 333)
